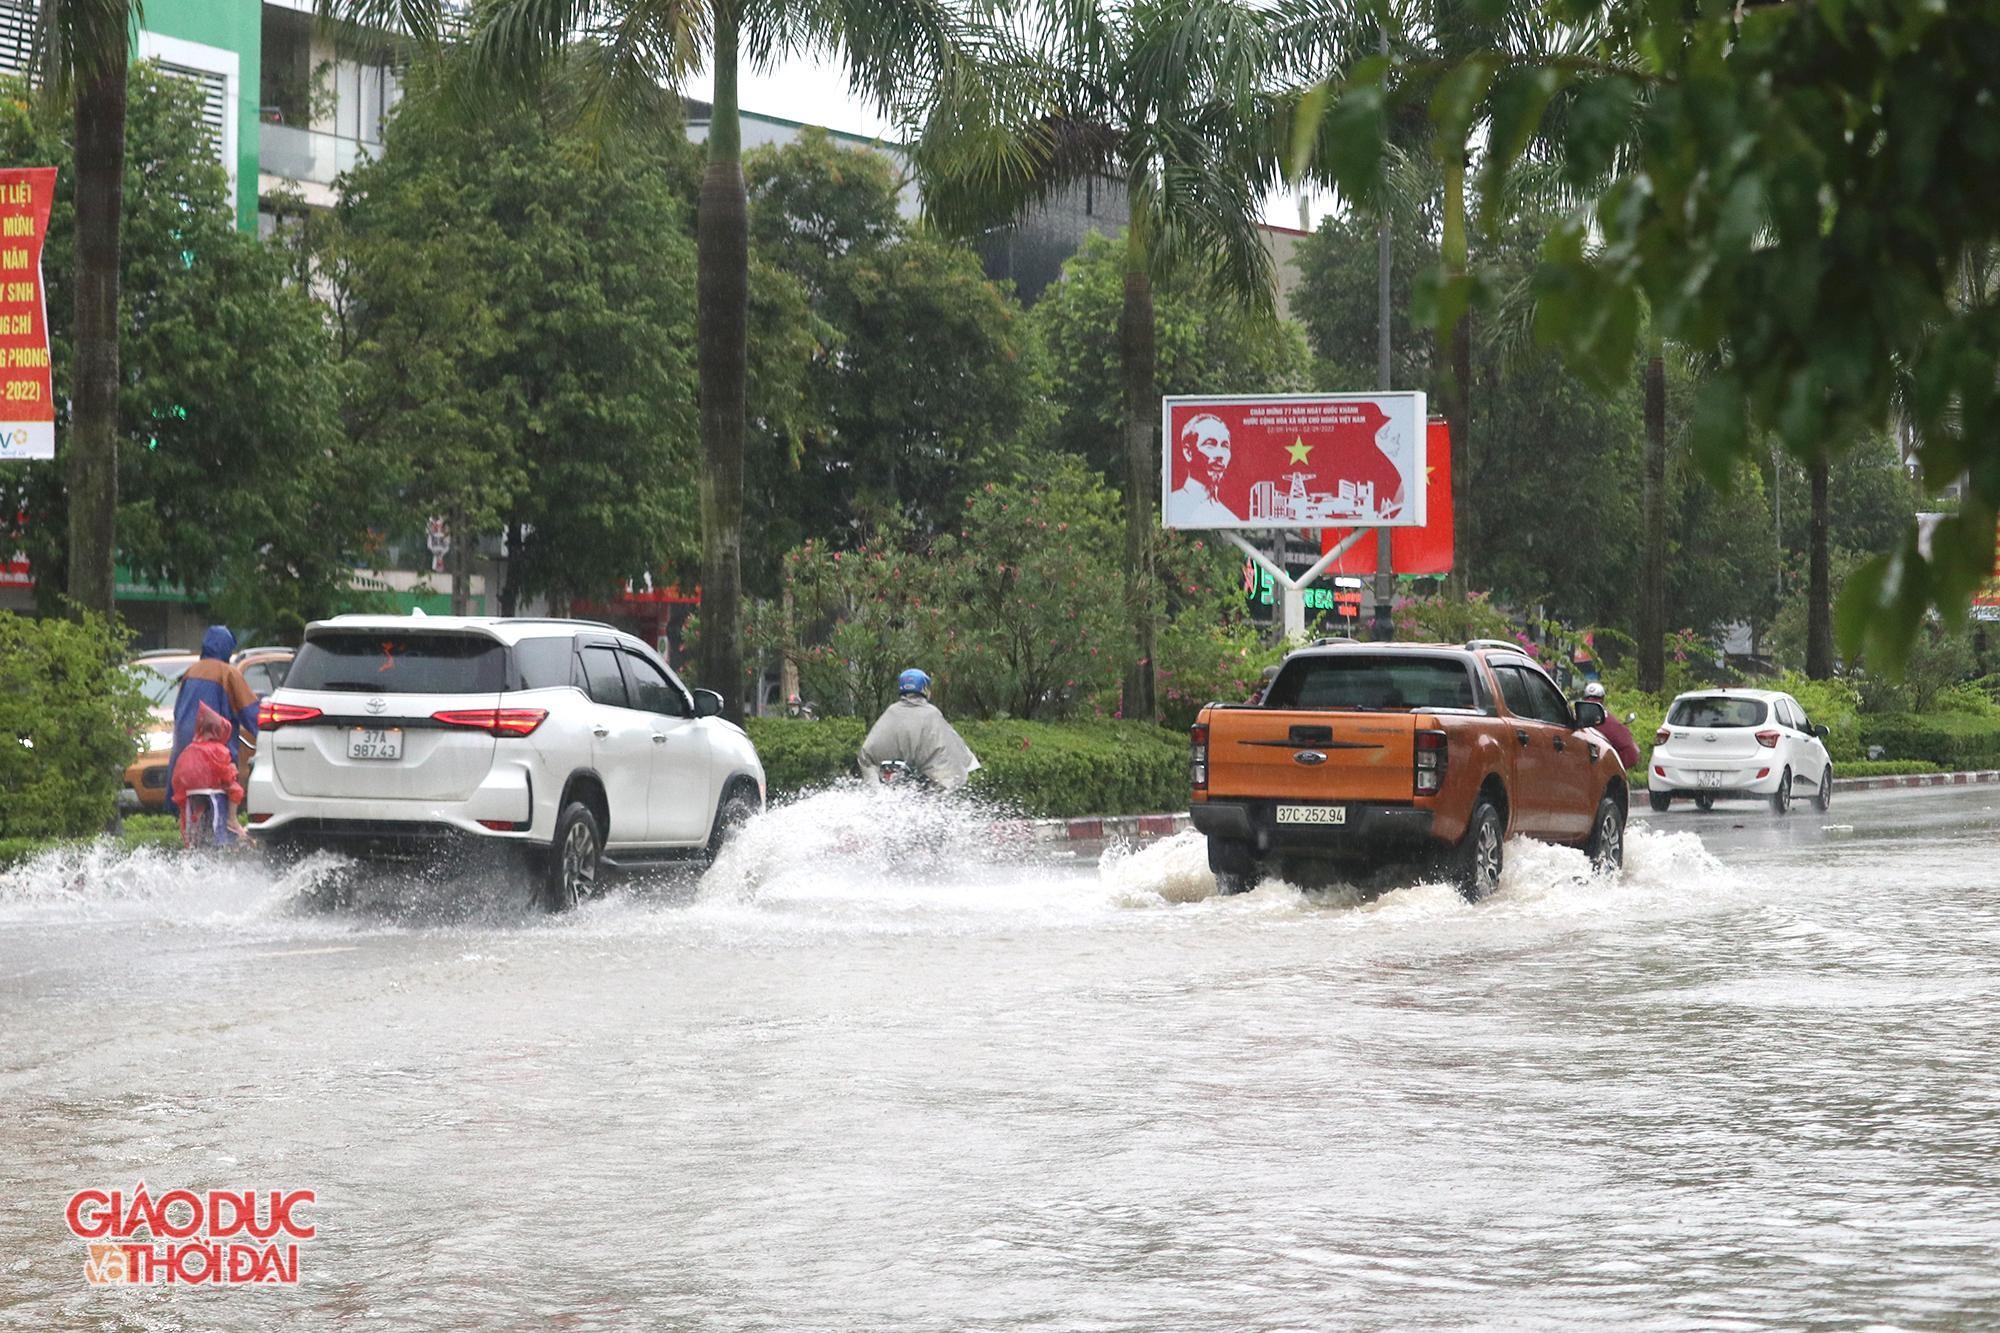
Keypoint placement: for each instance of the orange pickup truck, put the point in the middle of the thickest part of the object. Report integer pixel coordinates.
(1361, 756)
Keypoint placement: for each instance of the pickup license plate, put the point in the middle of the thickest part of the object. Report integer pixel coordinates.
(1312, 814)
(1708, 777)
(375, 743)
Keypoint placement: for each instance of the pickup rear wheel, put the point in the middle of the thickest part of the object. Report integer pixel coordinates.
(1477, 863)
(1234, 865)
(1607, 837)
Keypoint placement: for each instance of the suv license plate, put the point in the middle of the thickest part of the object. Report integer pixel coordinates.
(375, 743)
(1312, 814)
(1708, 777)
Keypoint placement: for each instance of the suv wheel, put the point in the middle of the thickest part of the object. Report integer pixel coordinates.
(1607, 838)
(570, 875)
(1480, 856)
(735, 811)
(1781, 799)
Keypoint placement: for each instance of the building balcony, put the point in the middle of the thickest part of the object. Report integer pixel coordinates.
(308, 155)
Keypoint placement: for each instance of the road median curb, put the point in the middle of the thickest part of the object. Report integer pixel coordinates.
(1106, 828)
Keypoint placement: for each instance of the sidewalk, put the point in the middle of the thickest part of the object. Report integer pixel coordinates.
(1099, 828)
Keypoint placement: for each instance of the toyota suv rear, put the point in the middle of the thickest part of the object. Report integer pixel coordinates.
(565, 741)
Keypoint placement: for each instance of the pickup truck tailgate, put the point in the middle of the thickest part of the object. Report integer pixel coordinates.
(1318, 755)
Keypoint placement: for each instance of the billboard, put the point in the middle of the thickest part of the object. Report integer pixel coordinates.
(27, 397)
(1293, 460)
(1424, 550)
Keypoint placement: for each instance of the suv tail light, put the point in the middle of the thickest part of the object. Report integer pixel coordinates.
(1431, 753)
(1768, 739)
(1663, 735)
(494, 721)
(1198, 756)
(271, 716)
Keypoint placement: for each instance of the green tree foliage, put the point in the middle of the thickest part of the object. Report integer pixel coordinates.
(1203, 345)
(920, 385)
(69, 713)
(1809, 199)
(517, 319)
(234, 481)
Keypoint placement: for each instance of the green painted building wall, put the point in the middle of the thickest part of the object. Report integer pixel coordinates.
(232, 25)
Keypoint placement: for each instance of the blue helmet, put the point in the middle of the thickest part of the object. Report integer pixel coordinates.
(913, 681)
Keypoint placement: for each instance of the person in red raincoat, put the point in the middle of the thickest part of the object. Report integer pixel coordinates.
(207, 765)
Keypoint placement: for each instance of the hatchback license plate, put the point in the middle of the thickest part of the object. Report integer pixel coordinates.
(1312, 814)
(375, 743)
(1708, 777)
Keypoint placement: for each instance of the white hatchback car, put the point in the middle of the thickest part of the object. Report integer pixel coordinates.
(564, 741)
(1729, 742)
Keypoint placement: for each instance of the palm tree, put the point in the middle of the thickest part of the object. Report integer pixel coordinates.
(82, 49)
(616, 58)
(1170, 100)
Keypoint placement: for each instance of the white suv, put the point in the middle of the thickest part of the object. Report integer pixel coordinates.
(566, 740)
(1738, 743)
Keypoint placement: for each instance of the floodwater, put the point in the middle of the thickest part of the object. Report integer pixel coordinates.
(937, 1079)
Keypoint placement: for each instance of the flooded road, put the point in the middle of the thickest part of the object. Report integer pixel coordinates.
(940, 1080)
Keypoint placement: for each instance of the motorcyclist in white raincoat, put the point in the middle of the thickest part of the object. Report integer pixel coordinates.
(913, 731)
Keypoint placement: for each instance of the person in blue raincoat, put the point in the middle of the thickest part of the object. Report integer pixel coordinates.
(213, 681)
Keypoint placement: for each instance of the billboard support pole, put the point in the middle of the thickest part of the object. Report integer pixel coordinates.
(1292, 591)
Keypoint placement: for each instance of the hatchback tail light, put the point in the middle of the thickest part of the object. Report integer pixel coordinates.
(271, 716)
(1663, 735)
(1198, 756)
(494, 721)
(1432, 750)
(1768, 739)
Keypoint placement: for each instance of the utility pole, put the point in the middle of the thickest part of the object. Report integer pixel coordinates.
(1385, 577)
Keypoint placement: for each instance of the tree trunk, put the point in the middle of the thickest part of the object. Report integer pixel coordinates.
(1653, 557)
(1819, 590)
(1136, 360)
(1456, 253)
(459, 561)
(1384, 621)
(722, 252)
(92, 473)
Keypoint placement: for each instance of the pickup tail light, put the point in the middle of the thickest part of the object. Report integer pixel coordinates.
(1198, 756)
(273, 715)
(1431, 753)
(1768, 739)
(495, 721)
(1663, 735)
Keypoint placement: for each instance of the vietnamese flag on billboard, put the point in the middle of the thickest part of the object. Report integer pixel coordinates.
(1424, 550)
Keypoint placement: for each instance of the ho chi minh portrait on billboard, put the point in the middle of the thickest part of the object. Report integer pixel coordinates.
(1293, 460)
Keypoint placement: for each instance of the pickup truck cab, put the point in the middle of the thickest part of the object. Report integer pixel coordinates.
(1361, 756)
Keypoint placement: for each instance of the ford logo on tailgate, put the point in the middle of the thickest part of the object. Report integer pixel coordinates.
(1308, 757)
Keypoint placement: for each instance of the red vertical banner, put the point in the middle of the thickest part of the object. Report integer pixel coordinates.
(1421, 550)
(27, 387)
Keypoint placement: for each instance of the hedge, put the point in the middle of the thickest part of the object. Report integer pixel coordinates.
(70, 711)
(1950, 740)
(1881, 768)
(157, 831)
(1038, 768)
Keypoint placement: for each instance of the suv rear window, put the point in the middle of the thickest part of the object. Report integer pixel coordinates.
(1371, 682)
(1717, 711)
(398, 662)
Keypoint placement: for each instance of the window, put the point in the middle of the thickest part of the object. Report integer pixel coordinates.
(263, 677)
(1716, 711)
(1530, 695)
(17, 36)
(545, 663)
(601, 678)
(389, 661)
(1372, 682)
(651, 690)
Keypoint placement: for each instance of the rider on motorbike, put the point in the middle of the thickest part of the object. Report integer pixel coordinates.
(1614, 730)
(911, 731)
